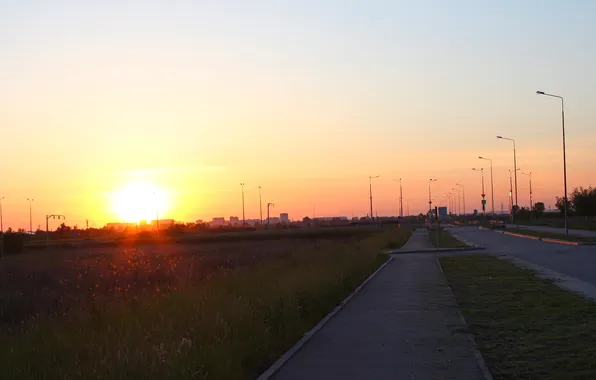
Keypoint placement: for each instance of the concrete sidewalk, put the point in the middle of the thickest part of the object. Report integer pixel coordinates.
(404, 324)
(419, 241)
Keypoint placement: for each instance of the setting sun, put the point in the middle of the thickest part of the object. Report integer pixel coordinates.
(138, 201)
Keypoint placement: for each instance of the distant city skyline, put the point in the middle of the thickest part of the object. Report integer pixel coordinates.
(120, 110)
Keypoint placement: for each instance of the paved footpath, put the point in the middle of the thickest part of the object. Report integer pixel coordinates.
(403, 324)
(419, 241)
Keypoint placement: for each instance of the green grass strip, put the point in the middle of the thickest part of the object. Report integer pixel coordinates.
(525, 327)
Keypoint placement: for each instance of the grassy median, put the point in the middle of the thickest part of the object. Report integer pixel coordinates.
(444, 239)
(233, 326)
(525, 327)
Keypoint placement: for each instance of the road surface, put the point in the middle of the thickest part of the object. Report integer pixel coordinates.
(555, 230)
(574, 261)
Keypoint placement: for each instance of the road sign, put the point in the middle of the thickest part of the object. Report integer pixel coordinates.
(484, 201)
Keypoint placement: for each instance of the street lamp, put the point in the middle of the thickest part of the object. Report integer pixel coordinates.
(370, 178)
(458, 210)
(30, 215)
(492, 188)
(260, 206)
(243, 219)
(463, 189)
(1, 216)
(531, 204)
(481, 170)
(401, 199)
(514, 168)
(430, 202)
(564, 155)
(268, 218)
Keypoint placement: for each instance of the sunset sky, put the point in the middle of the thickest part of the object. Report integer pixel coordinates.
(103, 103)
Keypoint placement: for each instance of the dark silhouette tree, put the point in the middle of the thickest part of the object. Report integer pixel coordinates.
(538, 209)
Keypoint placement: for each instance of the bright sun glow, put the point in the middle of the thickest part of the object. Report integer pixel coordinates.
(139, 201)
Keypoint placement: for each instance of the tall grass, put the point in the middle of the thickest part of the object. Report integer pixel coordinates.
(231, 327)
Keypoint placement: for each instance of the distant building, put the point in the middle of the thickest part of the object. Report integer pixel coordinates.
(234, 220)
(164, 224)
(219, 221)
(284, 218)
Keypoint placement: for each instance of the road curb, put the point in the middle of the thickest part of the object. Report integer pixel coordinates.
(544, 239)
(561, 280)
(276, 366)
(477, 354)
(432, 250)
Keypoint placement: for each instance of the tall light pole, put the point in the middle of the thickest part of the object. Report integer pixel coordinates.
(401, 199)
(458, 212)
(156, 213)
(430, 201)
(30, 214)
(260, 206)
(463, 189)
(370, 178)
(514, 165)
(1, 216)
(510, 194)
(268, 218)
(481, 170)
(492, 187)
(531, 204)
(564, 155)
(243, 218)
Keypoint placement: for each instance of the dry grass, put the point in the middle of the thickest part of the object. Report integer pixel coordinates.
(232, 324)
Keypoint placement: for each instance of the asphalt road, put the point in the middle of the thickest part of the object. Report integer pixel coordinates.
(574, 261)
(556, 230)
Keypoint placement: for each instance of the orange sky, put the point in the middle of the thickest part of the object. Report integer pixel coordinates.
(190, 101)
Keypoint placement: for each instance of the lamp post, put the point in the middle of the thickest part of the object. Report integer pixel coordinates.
(1, 216)
(430, 202)
(515, 173)
(370, 178)
(481, 170)
(243, 218)
(492, 187)
(30, 214)
(510, 194)
(401, 198)
(463, 190)
(564, 155)
(458, 204)
(260, 206)
(268, 218)
(531, 204)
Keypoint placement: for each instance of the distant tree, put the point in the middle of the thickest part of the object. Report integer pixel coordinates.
(560, 205)
(584, 201)
(538, 209)
(306, 219)
(524, 213)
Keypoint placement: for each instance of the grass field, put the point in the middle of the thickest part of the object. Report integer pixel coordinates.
(551, 235)
(445, 240)
(227, 313)
(525, 327)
